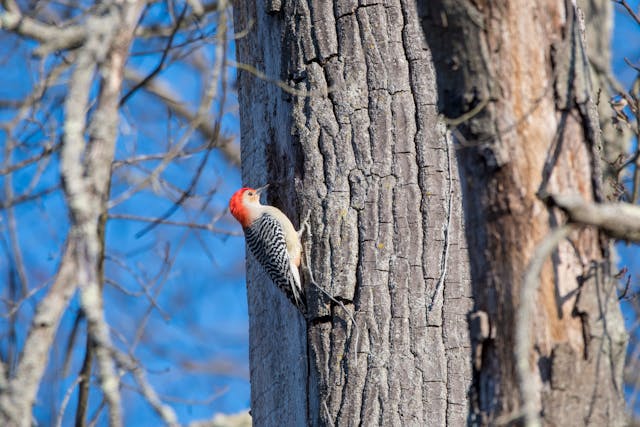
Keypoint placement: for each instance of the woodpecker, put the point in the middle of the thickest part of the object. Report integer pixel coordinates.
(272, 239)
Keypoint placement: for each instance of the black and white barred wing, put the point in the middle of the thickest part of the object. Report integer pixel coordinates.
(266, 241)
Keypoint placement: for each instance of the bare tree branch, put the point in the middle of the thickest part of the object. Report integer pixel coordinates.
(87, 177)
(629, 9)
(225, 144)
(207, 227)
(23, 198)
(160, 64)
(53, 38)
(19, 165)
(16, 403)
(209, 95)
(65, 401)
(241, 419)
(618, 220)
(165, 412)
(528, 298)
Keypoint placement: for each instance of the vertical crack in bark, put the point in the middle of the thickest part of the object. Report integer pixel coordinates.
(443, 267)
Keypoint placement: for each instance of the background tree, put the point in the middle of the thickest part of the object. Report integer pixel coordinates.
(357, 141)
(535, 134)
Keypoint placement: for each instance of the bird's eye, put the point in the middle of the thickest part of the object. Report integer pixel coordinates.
(251, 193)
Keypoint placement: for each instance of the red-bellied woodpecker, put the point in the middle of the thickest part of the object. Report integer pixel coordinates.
(272, 239)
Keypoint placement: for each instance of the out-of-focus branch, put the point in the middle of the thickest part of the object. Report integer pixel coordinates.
(618, 220)
(3, 377)
(196, 6)
(164, 411)
(225, 144)
(150, 31)
(207, 227)
(90, 78)
(51, 37)
(161, 63)
(199, 118)
(85, 199)
(130, 161)
(12, 227)
(629, 9)
(87, 177)
(528, 298)
(241, 419)
(65, 401)
(5, 204)
(17, 400)
(183, 197)
(19, 165)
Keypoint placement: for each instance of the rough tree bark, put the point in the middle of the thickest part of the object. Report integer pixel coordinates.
(521, 70)
(359, 144)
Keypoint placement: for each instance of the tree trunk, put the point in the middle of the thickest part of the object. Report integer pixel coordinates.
(519, 74)
(357, 142)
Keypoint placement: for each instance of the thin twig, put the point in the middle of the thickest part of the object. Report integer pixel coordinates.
(22, 389)
(175, 105)
(184, 196)
(207, 227)
(12, 226)
(160, 65)
(65, 401)
(287, 88)
(205, 103)
(23, 198)
(629, 9)
(26, 162)
(15, 305)
(157, 156)
(165, 412)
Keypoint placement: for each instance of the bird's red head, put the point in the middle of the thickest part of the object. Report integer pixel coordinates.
(242, 200)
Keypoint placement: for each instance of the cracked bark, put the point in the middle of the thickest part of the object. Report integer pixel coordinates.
(537, 133)
(365, 153)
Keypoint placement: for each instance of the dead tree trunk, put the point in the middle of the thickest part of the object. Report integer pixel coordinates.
(518, 74)
(355, 139)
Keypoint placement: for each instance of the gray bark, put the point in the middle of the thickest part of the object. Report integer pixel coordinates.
(362, 149)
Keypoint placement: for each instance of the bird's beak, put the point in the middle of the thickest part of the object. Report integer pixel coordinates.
(260, 190)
